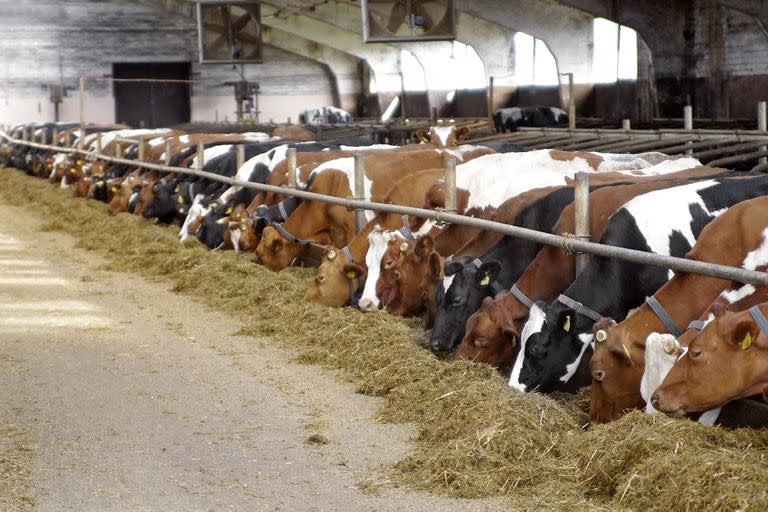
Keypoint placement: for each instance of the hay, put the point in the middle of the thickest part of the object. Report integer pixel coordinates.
(477, 437)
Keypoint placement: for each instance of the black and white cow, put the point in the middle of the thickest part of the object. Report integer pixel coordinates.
(556, 341)
(512, 118)
(325, 115)
(469, 280)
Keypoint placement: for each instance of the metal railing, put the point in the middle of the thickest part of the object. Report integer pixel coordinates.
(571, 244)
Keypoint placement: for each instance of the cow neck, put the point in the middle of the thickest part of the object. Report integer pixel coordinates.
(550, 272)
(285, 234)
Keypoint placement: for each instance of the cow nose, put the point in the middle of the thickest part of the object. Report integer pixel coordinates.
(655, 400)
(598, 375)
(434, 344)
(366, 305)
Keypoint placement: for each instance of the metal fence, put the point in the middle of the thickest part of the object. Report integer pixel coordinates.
(571, 244)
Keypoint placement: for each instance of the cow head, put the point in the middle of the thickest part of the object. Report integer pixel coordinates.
(725, 361)
(242, 231)
(462, 291)
(336, 279)
(162, 204)
(274, 251)
(406, 275)
(553, 342)
(616, 368)
(213, 225)
(443, 136)
(489, 336)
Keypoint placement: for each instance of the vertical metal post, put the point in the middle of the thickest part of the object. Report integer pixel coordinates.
(571, 104)
(762, 125)
(240, 156)
(167, 151)
(291, 157)
(99, 144)
(450, 185)
(200, 156)
(359, 190)
(581, 207)
(402, 96)
(688, 123)
(489, 99)
(141, 148)
(626, 125)
(82, 111)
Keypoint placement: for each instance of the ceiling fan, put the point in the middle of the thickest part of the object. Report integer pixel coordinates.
(229, 32)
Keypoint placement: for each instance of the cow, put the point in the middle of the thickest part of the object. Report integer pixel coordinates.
(556, 341)
(487, 340)
(512, 118)
(329, 224)
(324, 115)
(619, 360)
(724, 362)
(408, 191)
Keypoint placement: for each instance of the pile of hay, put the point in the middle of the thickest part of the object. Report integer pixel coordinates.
(477, 437)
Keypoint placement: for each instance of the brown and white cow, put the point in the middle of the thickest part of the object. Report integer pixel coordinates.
(726, 361)
(330, 224)
(334, 288)
(736, 238)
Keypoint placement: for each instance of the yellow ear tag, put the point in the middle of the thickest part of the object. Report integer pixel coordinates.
(181, 200)
(425, 139)
(177, 189)
(626, 351)
(228, 211)
(114, 189)
(351, 275)
(485, 281)
(746, 342)
(331, 255)
(514, 341)
(567, 324)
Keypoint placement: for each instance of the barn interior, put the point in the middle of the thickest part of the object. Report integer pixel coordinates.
(642, 61)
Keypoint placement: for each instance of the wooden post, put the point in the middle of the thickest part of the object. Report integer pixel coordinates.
(99, 144)
(82, 111)
(200, 155)
(55, 137)
(762, 126)
(434, 116)
(450, 185)
(118, 150)
(359, 190)
(291, 156)
(240, 156)
(490, 104)
(626, 125)
(141, 148)
(688, 122)
(24, 133)
(581, 206)
(167, 151)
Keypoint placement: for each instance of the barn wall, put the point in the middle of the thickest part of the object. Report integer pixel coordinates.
(46, 42)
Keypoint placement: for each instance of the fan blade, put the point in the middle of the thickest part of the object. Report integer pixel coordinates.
(420, 10)
(396, 17)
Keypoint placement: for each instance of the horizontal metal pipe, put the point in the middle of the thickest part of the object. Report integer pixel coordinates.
(573, 245)
(746, 157)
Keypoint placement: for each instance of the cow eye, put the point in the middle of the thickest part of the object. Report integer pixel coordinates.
(694, 353)
(536, 350)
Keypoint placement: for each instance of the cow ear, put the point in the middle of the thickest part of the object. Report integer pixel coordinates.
(487, 272)
(435, 266)
(462, 133)
(452, 267)
(422, 135)
(353, 270)
(424, 246)
(623, 354)
(742, 333)
(509, 335)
